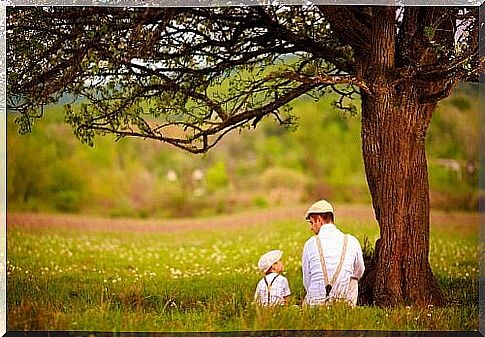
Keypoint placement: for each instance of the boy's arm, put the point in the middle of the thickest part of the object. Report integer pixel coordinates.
(287, 291)
(286, 287)
(256, 294)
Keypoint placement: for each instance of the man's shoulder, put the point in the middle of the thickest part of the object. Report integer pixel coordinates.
(311, 238)
(309, 241)
(351, 237)
(353, 240)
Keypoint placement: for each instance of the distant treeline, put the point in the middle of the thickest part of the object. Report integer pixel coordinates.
(50, 170)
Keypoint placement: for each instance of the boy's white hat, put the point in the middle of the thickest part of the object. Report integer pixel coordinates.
(267, 260)
(321, 206)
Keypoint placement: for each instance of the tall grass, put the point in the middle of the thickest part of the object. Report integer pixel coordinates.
(204, 281)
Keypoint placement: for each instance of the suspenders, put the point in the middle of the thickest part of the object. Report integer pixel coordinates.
(329, 284)
(268, 286)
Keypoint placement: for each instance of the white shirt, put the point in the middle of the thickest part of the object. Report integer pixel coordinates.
(332, 240)
(279, 290)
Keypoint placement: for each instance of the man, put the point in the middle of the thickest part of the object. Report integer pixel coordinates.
(332, 261)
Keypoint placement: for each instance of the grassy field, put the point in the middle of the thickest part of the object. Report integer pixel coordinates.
(196, 280)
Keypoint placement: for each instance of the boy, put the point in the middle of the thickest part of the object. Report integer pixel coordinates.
(273, 288)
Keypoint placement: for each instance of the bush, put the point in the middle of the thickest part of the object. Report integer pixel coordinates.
(283, 177)
(67, 201)
(260, 202)
(216, 177)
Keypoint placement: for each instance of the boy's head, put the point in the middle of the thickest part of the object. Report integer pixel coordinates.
(271, 262)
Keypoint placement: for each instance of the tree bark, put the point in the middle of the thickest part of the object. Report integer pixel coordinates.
(394, 152)
(394, 126)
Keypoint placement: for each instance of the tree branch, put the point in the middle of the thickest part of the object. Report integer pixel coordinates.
(437, 96)
(438, 72)
(341, 18)
(323, 79)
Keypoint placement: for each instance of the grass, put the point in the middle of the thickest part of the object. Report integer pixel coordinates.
(204, 281)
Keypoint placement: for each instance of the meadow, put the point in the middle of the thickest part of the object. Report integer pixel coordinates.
(192, 279)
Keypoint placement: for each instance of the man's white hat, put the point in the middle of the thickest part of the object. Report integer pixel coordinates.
(321, 206)
(267, 260)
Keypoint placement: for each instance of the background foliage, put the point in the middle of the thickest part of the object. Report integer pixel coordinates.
(49, 170)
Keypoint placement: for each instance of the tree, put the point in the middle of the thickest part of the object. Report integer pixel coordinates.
(188, 76)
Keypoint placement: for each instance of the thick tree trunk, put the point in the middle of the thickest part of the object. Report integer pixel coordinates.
(394, 126)
(393, 135)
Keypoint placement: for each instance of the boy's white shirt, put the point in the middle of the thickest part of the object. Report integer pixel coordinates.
(279, 290)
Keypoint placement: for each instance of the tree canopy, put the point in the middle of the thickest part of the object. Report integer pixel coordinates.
(187, 76)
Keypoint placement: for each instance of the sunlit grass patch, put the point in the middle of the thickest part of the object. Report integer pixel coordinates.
(205, 281)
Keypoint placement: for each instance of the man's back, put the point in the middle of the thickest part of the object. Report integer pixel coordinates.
(332, 242)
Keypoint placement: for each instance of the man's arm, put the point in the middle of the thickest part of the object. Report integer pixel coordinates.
(305, 267)
(359, 261)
